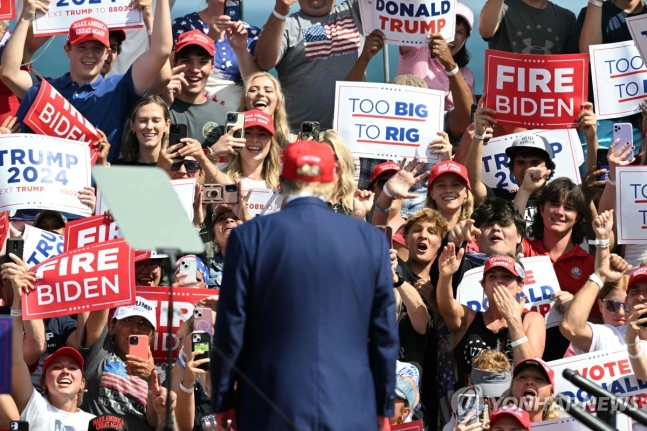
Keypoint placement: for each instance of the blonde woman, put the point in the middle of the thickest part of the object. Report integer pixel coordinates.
(345, 187)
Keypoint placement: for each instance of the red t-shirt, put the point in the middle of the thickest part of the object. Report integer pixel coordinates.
(572, 268)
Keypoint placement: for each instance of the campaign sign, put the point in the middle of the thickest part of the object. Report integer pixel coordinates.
(6, 347)
(90, 230)
(264, 202)
(86, 279)
(184, 300)
(536, 91)
(52, 115)
(631, 202)
(409, 426)
(567, 152)
(40, 245)
(44, 173)
(7, 12)
(540, 285)
(619, 79)
(115, 14)
(386, 121)
(408, 23)
(610, 369)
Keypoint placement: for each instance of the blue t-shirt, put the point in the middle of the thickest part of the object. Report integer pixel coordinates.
(105, 103)
(225, 60)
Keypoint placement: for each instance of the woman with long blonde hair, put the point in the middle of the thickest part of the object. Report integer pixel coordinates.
(345, 170)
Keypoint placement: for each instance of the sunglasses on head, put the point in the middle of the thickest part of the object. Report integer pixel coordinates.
(191, 166)
(614, 306)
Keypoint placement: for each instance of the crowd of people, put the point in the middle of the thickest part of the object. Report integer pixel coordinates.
(442, 220)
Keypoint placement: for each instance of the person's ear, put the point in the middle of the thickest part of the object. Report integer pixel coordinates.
(601, 305)
(405, 412)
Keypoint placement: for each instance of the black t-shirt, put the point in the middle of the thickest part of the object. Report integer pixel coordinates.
(412, 344)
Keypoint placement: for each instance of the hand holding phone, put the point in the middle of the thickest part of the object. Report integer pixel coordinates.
(236, 121)
(189, 266)
(310, 129)
(623, 132)
(203, 319)
(201, 342)
(15, 246)
(138, 346)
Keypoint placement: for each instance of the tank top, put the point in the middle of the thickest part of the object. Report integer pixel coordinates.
(476, 340)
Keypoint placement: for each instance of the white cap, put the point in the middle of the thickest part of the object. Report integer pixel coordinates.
(141, 308)
(530, 141)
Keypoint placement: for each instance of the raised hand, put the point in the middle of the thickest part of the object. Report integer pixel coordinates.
(442, 146)
(449, 261)
(603, 225)
(399, 184)
(507, 304)
(362, 203)
(438, 48)
(373, 44)
(462, 232)
(587, 121)
(535, 178)
(612, 268)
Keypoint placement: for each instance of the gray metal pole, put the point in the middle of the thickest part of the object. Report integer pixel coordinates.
(385, 57)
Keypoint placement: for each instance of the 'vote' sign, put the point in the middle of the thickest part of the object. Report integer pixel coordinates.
(90, 278)
(536, 91)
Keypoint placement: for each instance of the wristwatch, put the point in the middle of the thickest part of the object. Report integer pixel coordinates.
(400, 281)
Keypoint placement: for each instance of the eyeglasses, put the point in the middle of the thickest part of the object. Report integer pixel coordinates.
(191, 166)
(143, 324)
(614, 306)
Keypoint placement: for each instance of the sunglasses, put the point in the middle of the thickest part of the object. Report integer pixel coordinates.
(191, 166)
(614, 306)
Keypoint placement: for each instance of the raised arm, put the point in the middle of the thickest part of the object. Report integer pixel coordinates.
(482, 122)
(237, 35)
(453, 312)
(416, 308)
(18, 80)
(270, 43)
(490, 18)
(635, 326)
(533, 179)
(94, 326)
(373, 44)
(592, 28)
(573, 325)
(397, 187)
(147, 67)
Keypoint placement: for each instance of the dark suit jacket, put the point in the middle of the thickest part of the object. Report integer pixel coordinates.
(307, 313)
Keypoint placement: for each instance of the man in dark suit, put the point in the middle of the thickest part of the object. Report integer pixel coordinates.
(306, 313)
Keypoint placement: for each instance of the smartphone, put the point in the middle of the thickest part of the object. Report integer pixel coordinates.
(189, 266)
(467, 403)
(201, 342)
(15, 246)
(233, 10)
(203, 319)
(625, 133)
(310, 129)
(19, 426)
(177, 132)
(236, 121)
(602, 163)
(212, 194)
(138, 346)
(388, 232)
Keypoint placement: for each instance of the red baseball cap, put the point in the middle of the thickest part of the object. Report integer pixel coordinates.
(64, 351)
(195, 37)
(537, 363)
(448, 167)
(311, 153)
(258, 118)
(88, 29)
(505, 262)
(636, 275)
(382, 169)
(511, 411)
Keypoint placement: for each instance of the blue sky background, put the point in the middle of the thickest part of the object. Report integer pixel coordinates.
(256, 12)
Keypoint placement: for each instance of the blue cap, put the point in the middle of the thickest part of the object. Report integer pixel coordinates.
(405, 388)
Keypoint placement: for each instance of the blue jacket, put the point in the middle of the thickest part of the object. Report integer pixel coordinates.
(307, 313)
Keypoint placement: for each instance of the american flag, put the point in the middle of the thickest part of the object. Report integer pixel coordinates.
(115, 377)
(337, 37)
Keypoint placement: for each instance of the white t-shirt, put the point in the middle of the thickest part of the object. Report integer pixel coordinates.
(252, 184)
(42, 416)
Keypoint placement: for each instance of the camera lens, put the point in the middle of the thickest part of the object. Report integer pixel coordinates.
(231, 188)
(175, 129)
(134, 341)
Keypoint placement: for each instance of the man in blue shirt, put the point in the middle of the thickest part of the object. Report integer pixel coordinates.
(103, 102)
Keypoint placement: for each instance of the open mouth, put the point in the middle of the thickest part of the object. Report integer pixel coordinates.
(193, 80)
(422, 248)
(260, 104)
(496, 238)
(253, 149)
(64, 382)
(449, 198)
(530, 394)
(89, 63)
(150, 135)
